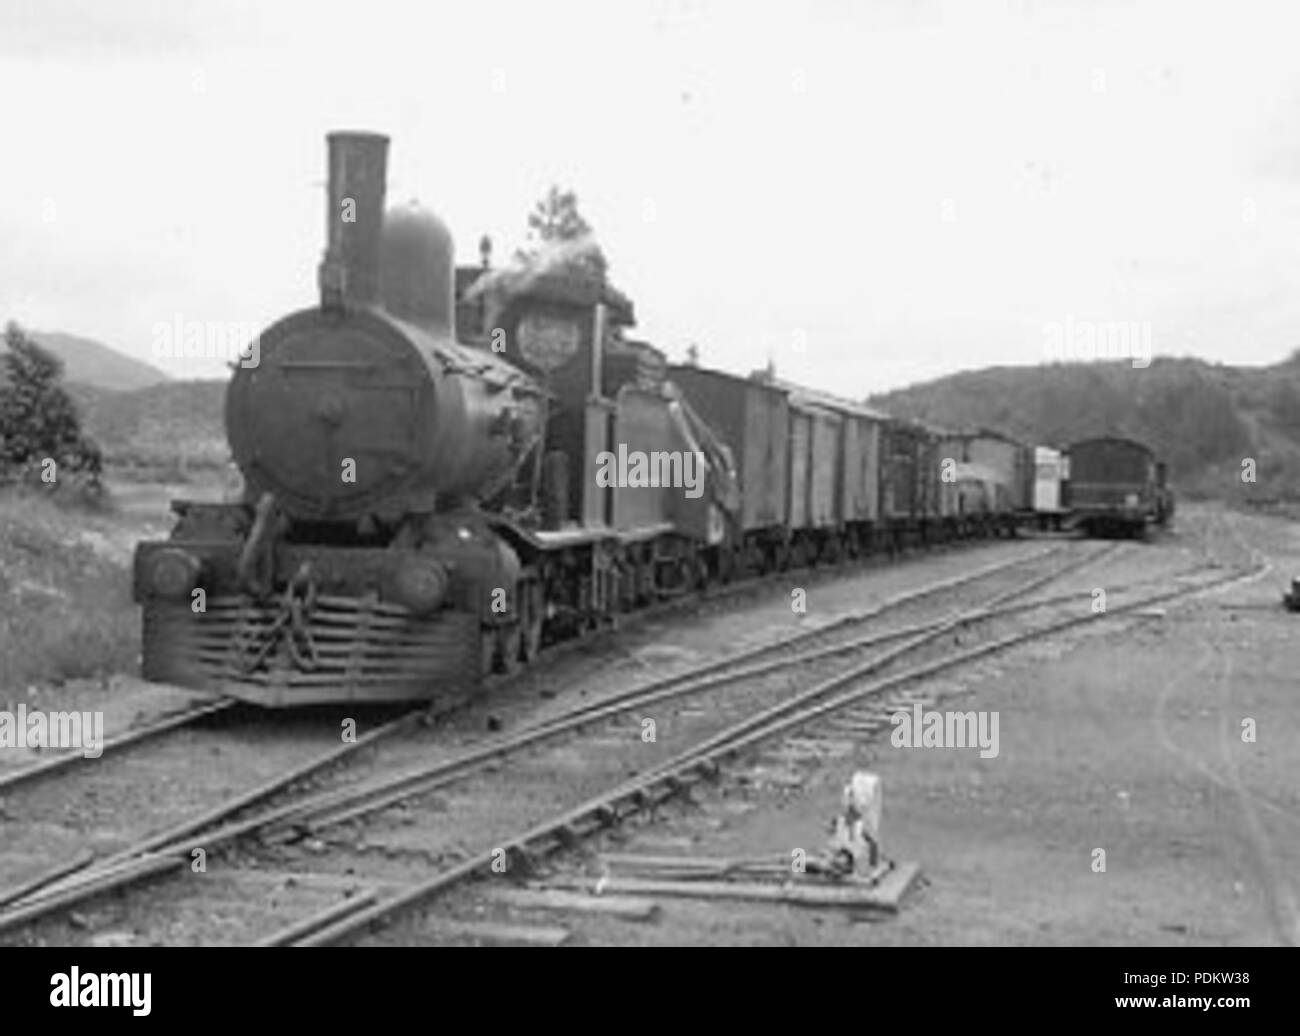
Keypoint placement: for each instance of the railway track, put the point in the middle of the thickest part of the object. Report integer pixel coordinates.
(611, 805)
(71, 882)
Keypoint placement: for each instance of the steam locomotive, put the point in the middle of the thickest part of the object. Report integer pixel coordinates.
(446, 468)
(416, 512)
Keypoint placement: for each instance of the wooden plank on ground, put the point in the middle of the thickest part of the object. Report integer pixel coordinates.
(689, 863)
(624, 907)
(885, 896)
(686, 868)
(511, 934)
(896, 884)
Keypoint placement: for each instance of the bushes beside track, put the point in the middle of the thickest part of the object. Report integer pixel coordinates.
(65, 592)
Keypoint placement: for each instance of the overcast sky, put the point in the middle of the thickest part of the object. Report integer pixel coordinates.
(903, 189)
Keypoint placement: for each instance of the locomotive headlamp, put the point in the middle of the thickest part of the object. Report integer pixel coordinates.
(173, 574)
(420, 585)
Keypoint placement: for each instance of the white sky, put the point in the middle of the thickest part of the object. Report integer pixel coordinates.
(908, 188)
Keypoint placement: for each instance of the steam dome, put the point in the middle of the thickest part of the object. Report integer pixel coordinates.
(417, 269)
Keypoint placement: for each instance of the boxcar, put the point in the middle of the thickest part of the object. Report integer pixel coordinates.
(930, 478)
(857, 455)
(909, 480)
(951, 453)
(1113, 486)
(859, 479)
(1011, 464)
(993, 476)
(967, 492)
(753, 418)
(1050, 472)
(824, 468)
(816, 522)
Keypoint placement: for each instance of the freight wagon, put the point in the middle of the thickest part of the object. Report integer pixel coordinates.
(753, 418)
(815, 525)
(844, 444)
(1114, 486)
(989, 479)
(1050, 472)
(909, 482)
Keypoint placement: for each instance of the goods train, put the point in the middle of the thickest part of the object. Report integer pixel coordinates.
(446, 468)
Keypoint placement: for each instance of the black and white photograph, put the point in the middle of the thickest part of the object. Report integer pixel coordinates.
(650, 474)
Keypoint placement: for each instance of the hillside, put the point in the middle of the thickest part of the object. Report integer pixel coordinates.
(165, 429)
(1203, 419)
(92, 363)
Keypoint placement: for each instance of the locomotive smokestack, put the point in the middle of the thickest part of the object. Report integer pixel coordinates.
(354, 219)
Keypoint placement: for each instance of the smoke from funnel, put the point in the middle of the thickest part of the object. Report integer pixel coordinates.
(550, 258)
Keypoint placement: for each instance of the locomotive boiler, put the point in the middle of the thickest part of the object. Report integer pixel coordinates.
(419, 506)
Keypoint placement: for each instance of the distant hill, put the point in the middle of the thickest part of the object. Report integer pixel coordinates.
(166, 428)
(92, 363)
(1204, 419)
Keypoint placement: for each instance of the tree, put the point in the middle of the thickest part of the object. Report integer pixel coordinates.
(38, 419)
(556, 218)
(559, 235)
